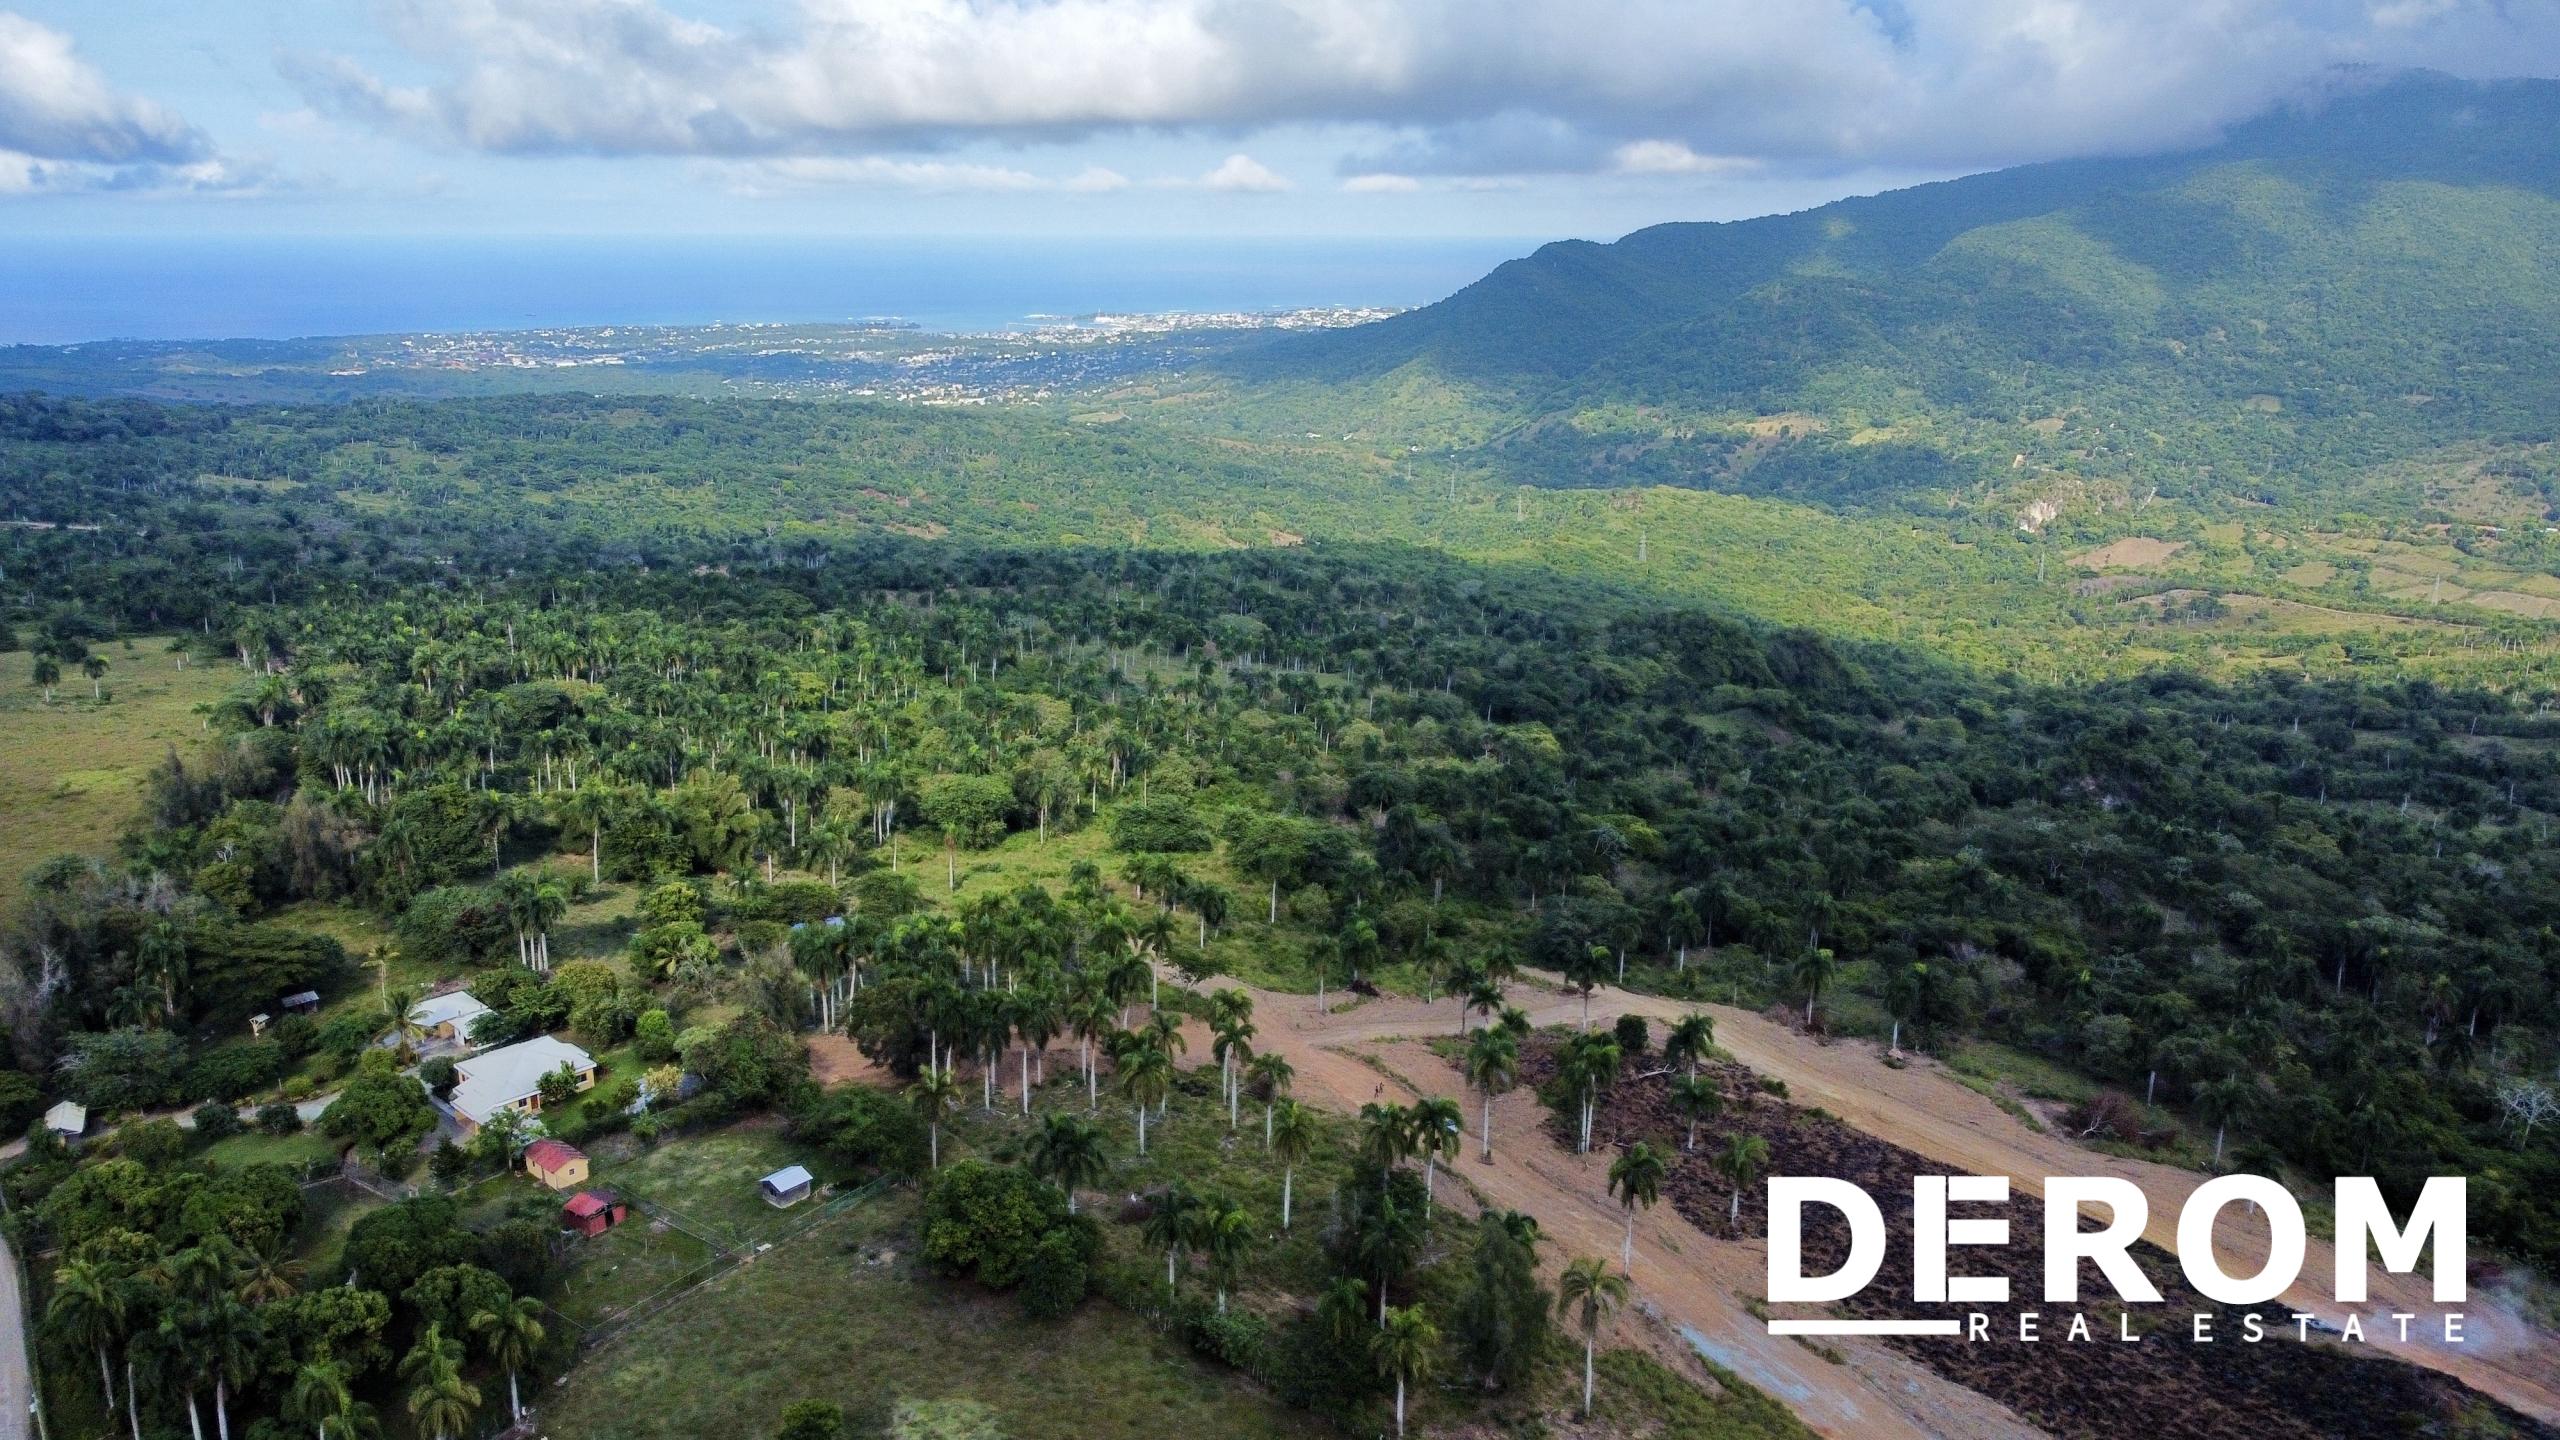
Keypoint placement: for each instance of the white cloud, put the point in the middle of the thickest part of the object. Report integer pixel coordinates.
(1244, 175)
(1671, 157)
(64, 128)
(1481, 87)
(56, 106)
(1381, 183)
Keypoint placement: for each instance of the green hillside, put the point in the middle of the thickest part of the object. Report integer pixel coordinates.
(2329, 289)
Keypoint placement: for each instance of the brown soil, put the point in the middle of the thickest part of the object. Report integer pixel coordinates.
(2134, 552)
(1698, 1283)
(835, 1060)
(2189, 1391)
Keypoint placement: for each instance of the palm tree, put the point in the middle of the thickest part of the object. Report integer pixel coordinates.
(1814, 972)
(1293, 1138)
(1593, 1295)
(1743, 1158)
(1146, 1077)
(1636, 1179)
(1386, 1136)
(397, 1008)
(544, 907)
(1493, 1067)
(323, 1398)
(2221, 1102)
(1589, 1065)
(1696, 1098)
(511, 1333)
(440, 1401)
(1170, 1223)
(1385, 1244)
(934, 1094)
(1436, 1125)
(228, 1333)
(1069, 1151)
(1095, 1019)
(268, 1275)
(1406, 1347)
(88, 1311)
(1233, 1047)
(1343, 1309)
(48, 673)
(1689, 1041)
(94, 666)
(1222, 1231)
(1902, 991)
(1274, 1074)
(590, 806)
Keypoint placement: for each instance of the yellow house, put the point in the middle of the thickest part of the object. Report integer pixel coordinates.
(556, 1163)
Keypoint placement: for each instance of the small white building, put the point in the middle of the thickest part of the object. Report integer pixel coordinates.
(448, 1016)
(787, 1186)
(510, 1078)
(68, 1119)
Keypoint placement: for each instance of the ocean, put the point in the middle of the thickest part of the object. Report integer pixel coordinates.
(62, 291)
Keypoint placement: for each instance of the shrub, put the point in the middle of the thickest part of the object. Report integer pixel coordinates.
(216, 1121)
(1238, 1338)
(235, 1070)
(1055, 1278)
(1632, 1035)
(20, 1101)
(453, 927)
(347, 1033)
(655, 1037)
(811, 1420)
(987, 1221)
(865, 1129)
(1160, 824)
(154, 1144)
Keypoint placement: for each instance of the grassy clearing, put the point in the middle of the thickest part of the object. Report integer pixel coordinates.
(328, 1212)
(71, 771)
(611, 1272)
(845, 1313)
(2029, 1075)
(709, 1181)
(256, 1147)
(1639, 1395)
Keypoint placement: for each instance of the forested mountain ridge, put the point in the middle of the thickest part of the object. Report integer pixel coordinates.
(2334, 286)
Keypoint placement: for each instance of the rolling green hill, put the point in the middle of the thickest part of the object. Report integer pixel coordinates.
(2330, 289)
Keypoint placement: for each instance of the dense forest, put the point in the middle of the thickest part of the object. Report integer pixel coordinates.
(2318, 913)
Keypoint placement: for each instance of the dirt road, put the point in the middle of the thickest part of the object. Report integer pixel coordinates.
(1346, 1057)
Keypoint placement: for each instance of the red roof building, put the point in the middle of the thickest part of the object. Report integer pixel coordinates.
(592, 1212)
(556, 1163)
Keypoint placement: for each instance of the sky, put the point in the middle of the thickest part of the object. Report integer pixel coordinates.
(1314, 118)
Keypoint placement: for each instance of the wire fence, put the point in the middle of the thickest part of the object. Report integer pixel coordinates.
(724, 1258)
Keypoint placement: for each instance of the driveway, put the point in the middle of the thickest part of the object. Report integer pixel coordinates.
(16, 1391)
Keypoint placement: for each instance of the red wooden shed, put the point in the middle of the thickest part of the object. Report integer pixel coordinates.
(593, 1212)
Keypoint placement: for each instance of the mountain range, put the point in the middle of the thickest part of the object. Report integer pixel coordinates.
(2364, 276)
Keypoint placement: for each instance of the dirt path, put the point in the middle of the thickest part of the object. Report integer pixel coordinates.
(1348, 1056)
(1692, 1286)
